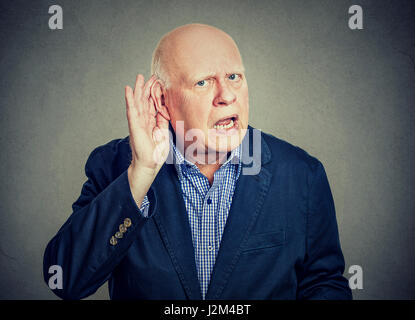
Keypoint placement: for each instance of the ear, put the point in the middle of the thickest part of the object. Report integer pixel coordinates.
(157, 92)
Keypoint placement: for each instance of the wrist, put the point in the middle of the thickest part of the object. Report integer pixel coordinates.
(135, 170)
(140, 180)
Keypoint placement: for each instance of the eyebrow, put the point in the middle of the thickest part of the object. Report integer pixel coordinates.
(196, 77)
(199, 76)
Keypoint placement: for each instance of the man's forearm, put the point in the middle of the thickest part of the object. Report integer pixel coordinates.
(140, 180)
(83, 246)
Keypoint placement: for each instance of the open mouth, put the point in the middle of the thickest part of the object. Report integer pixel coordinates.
(227, 124)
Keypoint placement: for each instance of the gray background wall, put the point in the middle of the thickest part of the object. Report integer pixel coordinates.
(344, 96)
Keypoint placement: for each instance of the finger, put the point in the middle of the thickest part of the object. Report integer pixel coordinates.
(131, 112)
(138, 88)
(148, 85)
(152, 107)
(129, 97)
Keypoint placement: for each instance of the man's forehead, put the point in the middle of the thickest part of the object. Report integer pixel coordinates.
(202, 51)
(200, 63)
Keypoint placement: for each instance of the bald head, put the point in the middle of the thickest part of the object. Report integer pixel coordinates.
(203, 86)
(190, 43)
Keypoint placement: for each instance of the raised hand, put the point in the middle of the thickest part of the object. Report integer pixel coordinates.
(148, 137)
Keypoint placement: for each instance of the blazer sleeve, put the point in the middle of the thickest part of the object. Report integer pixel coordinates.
(322, 271)
(82, 246)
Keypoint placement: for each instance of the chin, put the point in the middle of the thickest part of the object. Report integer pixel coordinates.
(224, 144)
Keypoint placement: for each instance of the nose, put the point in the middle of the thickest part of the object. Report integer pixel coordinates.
(224, 95)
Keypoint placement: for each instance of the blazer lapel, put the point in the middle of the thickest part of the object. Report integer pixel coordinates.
(246, 205)
(173, 224)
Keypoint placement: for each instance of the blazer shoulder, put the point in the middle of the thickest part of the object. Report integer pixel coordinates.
(285, 153)
(113, 147)
(112, 157)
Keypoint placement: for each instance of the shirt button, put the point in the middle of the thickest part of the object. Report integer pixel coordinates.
(209, 201)
(210, 248)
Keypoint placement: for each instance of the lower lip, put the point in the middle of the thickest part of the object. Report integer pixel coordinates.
(229, 131)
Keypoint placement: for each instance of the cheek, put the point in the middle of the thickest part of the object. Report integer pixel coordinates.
(245, 102)
(196, 110)
(179, 106)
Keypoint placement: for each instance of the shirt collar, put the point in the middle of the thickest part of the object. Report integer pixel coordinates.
(183, 166)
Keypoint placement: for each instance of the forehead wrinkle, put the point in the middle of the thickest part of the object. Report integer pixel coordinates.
(181, 54)
(201, 75)
(216, 68)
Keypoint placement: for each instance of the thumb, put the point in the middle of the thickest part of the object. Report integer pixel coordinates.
(157, 134)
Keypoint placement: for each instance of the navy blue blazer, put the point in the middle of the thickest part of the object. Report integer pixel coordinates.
(280, 241)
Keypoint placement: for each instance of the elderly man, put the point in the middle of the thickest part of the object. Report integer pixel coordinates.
(199, 226)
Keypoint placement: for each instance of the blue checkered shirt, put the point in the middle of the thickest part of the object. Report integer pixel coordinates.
(207, 207)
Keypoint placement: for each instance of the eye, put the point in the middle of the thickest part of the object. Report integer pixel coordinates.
(234, 76)
(201, 83)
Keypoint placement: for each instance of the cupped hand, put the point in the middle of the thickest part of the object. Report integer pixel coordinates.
(148, 129)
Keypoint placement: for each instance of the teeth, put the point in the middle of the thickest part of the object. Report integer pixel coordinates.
(227, 126)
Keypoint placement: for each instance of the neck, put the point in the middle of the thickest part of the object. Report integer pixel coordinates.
(208, 162)
(209, 169)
